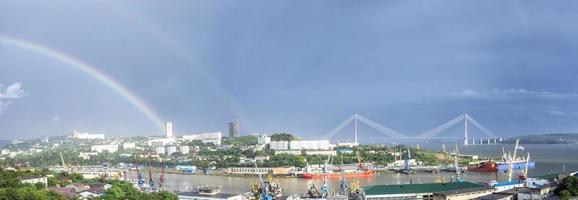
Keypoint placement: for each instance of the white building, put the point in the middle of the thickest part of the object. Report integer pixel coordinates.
(184, 149)
(310, 144)
(160, 150)
(5, 151)
(171, 150)
(279, 145)
(35, 179)
(290, 152)
(264, 139)
(111, 148)
(86, 155)
(169, 129)
(321, 152)
(160, 142)
(128, 145)
(210, 137)
(86, 135)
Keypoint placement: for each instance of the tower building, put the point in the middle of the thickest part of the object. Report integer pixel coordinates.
(234, 128)
(169, 129)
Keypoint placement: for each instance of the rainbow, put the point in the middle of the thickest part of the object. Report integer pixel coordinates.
(99, 75)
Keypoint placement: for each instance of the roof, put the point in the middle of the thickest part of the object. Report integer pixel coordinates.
(218, 196)
(418, 188)
(494, 196)
(507, 183)
(69, 193)
(465, 190)
(549, 177)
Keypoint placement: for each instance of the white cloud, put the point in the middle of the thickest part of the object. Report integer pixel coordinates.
(56, 118)
(561, 113)
(13, 91)
(514, 93)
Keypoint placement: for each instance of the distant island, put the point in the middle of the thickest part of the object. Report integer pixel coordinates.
(550, 138)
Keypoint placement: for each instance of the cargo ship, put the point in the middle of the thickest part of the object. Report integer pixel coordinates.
(513, 161)
(488, 166)
(517, 164)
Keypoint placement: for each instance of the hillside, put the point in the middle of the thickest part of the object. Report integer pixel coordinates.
(550, 138)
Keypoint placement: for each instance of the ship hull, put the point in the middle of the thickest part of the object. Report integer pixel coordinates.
(516, 165)
(337, 175)
(484, 167)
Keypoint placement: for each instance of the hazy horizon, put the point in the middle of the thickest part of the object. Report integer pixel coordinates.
(121, 68)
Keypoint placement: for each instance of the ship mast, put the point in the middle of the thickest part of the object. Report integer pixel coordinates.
(515, 149)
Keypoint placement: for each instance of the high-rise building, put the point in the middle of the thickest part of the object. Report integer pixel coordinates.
(169, 129)
(234, 128)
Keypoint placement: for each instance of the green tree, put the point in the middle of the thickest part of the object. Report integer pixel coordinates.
(39, 186)
(52, 181)
(283, 137)
(564, 194)
(114, 192)
(568, 187)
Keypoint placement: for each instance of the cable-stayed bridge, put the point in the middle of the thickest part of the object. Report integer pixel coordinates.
(487, 137)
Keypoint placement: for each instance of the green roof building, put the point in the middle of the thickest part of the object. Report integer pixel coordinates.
(414, 191)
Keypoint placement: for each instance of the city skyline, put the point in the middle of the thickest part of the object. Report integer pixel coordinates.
(280, 67)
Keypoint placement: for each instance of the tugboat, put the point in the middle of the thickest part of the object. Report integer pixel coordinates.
(209, 190)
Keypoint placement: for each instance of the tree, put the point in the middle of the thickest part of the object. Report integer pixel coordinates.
(115, 192)
(283, 137)
(564, 194)
(52, 181)
(568, 187)
(39, 186)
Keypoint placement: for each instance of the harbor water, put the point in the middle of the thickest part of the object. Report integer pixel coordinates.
(550, 158)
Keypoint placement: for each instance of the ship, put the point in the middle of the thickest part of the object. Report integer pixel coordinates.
(513, 161)
(487, 166)
(326, 172)
(352, 174)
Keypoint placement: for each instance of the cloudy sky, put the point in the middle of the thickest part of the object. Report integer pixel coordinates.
(293, 66)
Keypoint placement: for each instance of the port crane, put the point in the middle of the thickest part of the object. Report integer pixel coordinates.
(140, 178)
(457, 165)
(151, 181)
(162, 177)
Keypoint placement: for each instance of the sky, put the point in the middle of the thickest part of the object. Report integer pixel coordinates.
(289, 66)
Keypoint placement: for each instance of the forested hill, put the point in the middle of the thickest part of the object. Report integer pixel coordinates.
(550, 138)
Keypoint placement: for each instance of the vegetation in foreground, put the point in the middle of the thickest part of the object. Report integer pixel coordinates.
(12, 188)
(568, 188)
